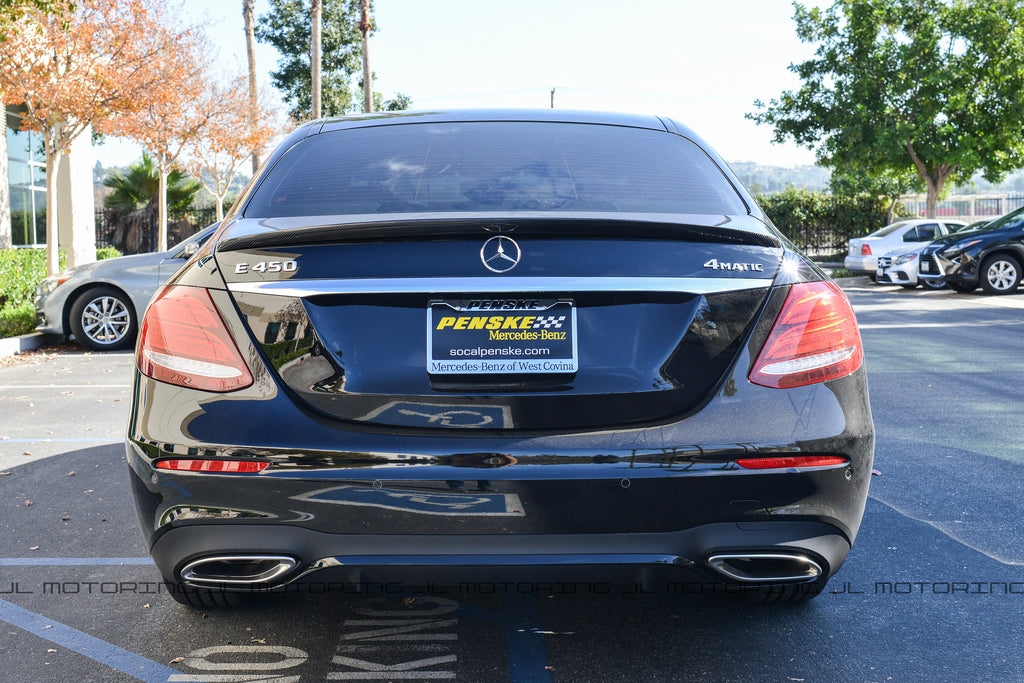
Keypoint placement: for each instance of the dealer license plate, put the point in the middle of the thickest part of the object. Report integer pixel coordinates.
(501, 337)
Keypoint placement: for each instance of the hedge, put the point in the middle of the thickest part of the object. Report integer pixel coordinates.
(21, 270)
(821, 224)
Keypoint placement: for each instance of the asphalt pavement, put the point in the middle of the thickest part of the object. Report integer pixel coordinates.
(933, 590)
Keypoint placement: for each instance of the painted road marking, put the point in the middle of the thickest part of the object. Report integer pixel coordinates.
(73, 561)
(95, 649)
(519, 615)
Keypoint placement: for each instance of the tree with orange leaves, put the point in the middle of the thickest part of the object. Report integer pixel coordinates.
(172, 116)
(234, 132)
(76, 66)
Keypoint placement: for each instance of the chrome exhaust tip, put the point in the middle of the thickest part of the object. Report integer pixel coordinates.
(239, 570)
(765, 567)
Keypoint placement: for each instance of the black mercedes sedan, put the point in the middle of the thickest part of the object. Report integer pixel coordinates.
(482, 346)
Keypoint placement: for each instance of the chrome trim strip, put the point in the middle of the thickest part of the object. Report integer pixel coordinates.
(491, 285)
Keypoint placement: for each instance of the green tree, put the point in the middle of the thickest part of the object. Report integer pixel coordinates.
(399, 102)
(934, 87)
(12, 10)
(887, 184)
(133, 204)
(287, 26)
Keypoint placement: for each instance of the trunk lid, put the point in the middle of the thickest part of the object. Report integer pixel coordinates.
(572, 324)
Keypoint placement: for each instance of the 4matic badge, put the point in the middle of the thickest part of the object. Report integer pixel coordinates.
(715, 264)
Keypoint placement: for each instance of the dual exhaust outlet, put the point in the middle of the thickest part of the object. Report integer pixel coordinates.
(266, 570)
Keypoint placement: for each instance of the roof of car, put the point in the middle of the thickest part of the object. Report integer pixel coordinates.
(452, 116)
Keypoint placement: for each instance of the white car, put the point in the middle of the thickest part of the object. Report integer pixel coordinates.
(862, 257)
(101, 303)
(899, 267)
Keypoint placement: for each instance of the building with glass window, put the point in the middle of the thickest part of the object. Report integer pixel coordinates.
(23, 209)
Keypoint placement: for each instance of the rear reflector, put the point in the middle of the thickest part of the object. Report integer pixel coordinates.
(205, 465)
(184, 341)
(791, 461)
(815, 339)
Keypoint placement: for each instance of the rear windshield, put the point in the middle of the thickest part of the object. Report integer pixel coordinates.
(891, 228)
(493, 166)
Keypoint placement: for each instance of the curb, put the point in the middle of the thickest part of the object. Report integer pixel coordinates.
(12, 346)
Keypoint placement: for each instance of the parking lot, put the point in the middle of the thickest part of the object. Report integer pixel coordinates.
(933, 589)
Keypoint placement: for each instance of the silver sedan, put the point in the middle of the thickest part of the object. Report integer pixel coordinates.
(101, 303)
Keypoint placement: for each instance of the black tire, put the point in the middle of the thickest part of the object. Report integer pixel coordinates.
(909, 286)
(1000, 274)
(791, 593)
(963, 289)
(932, 284)
(103, 319)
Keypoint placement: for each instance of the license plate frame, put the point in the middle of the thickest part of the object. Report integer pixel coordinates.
(502, 336)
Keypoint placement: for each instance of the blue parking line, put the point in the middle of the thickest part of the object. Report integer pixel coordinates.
(95, 649)
(527, 653)
(74, 561)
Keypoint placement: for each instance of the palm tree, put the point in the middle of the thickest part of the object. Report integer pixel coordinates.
(131, 208)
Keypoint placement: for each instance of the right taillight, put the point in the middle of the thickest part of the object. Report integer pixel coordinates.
(814, 339)
(184, 341)
(865, 249)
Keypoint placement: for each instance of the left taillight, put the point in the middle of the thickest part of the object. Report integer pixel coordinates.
(184, 341)
(814, 339)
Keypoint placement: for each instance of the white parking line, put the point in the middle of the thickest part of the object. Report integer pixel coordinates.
(911, 326)
(22, 387)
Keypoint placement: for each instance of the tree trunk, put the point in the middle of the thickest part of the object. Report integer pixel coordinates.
(52, 245)
(248, 16)
(932, 197)
(365, 25)
(162, 209)
(317, 7)
(5, 190)
(220, 206)
(934, 179)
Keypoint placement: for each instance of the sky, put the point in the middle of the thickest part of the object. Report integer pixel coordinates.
(701, 62)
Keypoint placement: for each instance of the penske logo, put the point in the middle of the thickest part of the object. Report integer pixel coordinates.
(535, 326)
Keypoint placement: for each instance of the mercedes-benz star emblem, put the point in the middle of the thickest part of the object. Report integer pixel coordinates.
(500, 254)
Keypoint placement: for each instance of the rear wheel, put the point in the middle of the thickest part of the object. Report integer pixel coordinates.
(103, 319)
(1000, 274)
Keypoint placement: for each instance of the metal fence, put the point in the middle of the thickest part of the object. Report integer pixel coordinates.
(137, 233)
(974, 207)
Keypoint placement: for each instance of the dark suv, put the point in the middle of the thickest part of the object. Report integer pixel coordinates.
(990, 256)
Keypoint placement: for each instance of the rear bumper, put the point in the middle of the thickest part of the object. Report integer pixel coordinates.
(861, 264)
(327, 561)
(373, 505)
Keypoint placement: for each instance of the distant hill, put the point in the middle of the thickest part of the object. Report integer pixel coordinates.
(761, 179)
